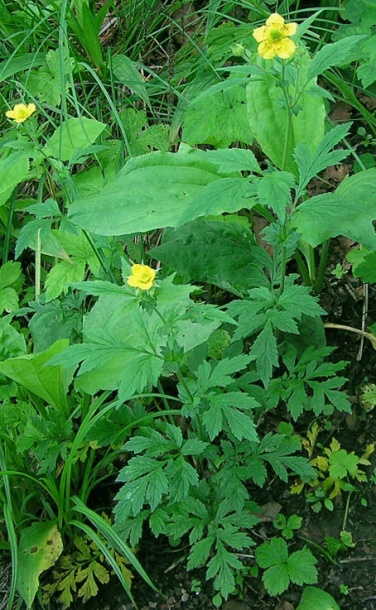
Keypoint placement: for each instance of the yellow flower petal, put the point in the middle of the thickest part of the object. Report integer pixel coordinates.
(286, 48)
(21, 112)
(259, 33)
(142, 277)
(273, 38)
(267, 49)
(275, 21)
(290, 29)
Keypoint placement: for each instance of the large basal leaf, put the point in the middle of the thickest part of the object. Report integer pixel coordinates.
(314, 598)
(72, 135)
(151, 192)
(13, 170)
(40, 547)
(48, 382)
(268, 118)
(20, 63)
(219, 119)
(225, 195)
(349, 211)
(221, 253)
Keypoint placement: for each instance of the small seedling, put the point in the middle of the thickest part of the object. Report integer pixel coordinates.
(288, 526)
(335, 545)
(337, 470)
(282, 568)
(343, 589)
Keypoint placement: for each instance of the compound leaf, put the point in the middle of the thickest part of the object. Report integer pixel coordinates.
(301, 567)
(276, 579)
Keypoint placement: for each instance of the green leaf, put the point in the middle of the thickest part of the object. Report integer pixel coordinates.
(40, 547)
(153, 443)
(146, 482)
(199, 553)
(274, 191)
(264, 350)
(220, 253)
(363, 11)
(123, 346)
(182, 476)
(301, 567)
(318, 219)
(271, 553)
(269, 119)
(241, 424)
(276, 579)
(314, 598)
(220, 568)
(225, 195)
(157, 521)
(143, 139)
(336, 54)
(213, 421)
(13, 171)
(47, 83)
(170, 183)
(20, 63)
(48, 382)
(193, 446)
(9, 273)
(311, 163)
(61, 275)
(72, 135)
(342, 463)
(366, 268)
(297, 300)
(231, 160)
(367, 69)
(157, 487)
(125, 72)
(219, 119)
(8, 300)
(222, 371)
(297, 400)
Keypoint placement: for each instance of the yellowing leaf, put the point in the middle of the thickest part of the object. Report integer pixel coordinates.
(335, 445)
(39, 548)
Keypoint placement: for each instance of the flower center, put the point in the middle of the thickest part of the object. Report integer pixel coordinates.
(276, 35)
(144, 276)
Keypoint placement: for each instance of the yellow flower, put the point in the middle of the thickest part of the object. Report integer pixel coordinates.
(142, 277)
(273, 38)
(21, 112)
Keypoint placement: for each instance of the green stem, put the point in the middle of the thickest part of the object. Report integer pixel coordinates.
(286, 146)
(38, 263)
(283, 269)
(346, 511)
(322, 267)
(302, 268)
(66, 476)
(8, 229)
(320, 549)
(289, 121)
(164, 400)
(99, 257)
(311, 263)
